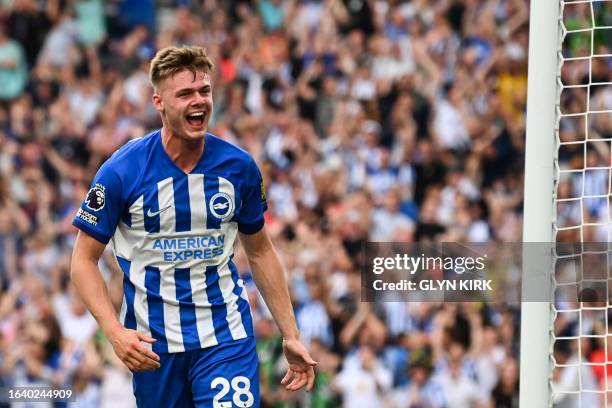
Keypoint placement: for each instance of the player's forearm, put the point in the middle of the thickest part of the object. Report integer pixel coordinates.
(270, 279)
(92, 289)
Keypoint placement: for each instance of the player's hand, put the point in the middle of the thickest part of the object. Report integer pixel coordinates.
(136, 356)
(301, 366)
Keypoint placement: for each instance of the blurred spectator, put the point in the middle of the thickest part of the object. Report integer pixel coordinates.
(423, 390)
(363, 380)
(313, 321)
(459, 390)
(576, 376)
(13, 66)
(505, 393)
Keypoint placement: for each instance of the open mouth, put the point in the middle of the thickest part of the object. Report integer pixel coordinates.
(195, 119)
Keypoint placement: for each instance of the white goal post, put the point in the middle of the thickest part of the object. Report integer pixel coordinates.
(542, 97)
(568, 198)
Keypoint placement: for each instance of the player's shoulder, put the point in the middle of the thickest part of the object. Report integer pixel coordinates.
(125, 167)
(132, 156)
(224, 150)
(138, 147)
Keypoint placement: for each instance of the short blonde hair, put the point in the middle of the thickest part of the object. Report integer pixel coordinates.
(170, 60)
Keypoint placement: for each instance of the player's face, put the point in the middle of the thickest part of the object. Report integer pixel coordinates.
(185, 103)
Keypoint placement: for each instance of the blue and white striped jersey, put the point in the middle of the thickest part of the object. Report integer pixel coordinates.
(173, 235)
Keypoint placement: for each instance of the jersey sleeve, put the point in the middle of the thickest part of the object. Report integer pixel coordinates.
(102, 206)
(254, 203)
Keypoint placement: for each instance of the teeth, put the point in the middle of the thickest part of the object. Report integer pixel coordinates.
(196, 115)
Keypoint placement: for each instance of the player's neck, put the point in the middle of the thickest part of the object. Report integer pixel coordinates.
(184, 153)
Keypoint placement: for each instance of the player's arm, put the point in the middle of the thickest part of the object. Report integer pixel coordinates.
(270, 280)
(91, 287)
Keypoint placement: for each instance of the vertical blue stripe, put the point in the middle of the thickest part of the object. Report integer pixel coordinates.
(189, 326)
(217, 305)
(156, 309)
(130, 291)
(150, 203)
(181, 204)
(243, 305)
(211, 187)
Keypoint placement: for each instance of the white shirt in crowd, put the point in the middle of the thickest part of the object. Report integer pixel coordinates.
(460, 391)
(116, 391)
(78, 328)
(575, 377)
(450, 127)
(363, 388)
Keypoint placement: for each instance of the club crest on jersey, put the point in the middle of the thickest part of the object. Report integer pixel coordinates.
(221, 206)
(95, 198)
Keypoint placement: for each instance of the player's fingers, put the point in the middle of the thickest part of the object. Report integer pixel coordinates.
(298, 381)
(141, 368)
(294, 384)
(141, 363)
(149, 366)
(289, 386)
(287, 377)
(131, 363)
(311, 377)
(302, 381)
(151, 363)
(136, 355)
(294, 375)
(145, 338)
(147, 352)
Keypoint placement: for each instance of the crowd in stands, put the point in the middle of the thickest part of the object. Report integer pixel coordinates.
(371, 120)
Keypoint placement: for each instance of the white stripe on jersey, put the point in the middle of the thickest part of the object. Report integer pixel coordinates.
(123, 311)
(167, 285)
(172, 310)
(165, 200)
(234, 319)
(141, 307)
(197, 203)
(125, 237)
(244, 294)
(203, 312)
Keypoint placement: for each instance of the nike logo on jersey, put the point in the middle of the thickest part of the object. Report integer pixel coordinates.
(154, 213)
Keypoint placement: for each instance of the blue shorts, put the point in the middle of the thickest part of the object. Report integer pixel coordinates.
(223, 376)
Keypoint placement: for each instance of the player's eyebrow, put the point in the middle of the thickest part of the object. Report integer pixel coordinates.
(185, 91)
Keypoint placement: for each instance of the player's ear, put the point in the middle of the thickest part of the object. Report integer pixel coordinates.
(157, 101)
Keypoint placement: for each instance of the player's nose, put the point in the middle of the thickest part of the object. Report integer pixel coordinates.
(200, 100)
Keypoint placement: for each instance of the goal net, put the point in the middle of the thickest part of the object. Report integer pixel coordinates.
(579, 367)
